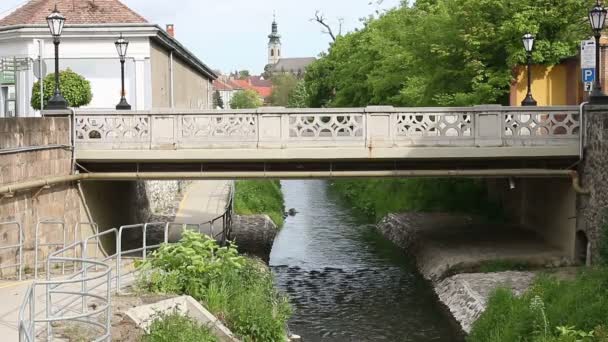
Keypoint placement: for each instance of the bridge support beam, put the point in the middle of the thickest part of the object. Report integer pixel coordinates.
(592, 209)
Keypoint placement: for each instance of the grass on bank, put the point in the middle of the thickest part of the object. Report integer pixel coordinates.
(237, 290)
(551, 311)
(260, 197)
(376, 198)
(177, 328)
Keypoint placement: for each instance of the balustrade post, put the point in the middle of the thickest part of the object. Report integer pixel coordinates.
(271, 127)
(380, 126)
(488, 125)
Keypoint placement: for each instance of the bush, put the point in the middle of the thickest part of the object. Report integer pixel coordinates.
(246, 99)
(235, 289)
(378, 197)
(553, 310)
(75, 89)
(260, 197)
(177, 328)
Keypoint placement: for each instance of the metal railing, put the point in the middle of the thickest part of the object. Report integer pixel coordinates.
(62, 294)
(67, 298)
(37, 244)
(18, 247)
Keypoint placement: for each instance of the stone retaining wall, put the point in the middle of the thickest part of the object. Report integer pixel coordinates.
(592, 209)
(254, 235)
(58, 202)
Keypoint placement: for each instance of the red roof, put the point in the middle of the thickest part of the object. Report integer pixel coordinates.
(75, 11)
(264, 92)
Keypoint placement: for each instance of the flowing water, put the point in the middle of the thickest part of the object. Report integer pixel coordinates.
(345, 282)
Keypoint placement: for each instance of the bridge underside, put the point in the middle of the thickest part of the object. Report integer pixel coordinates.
(305, 167)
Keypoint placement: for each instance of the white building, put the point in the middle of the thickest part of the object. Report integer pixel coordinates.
(160, 72)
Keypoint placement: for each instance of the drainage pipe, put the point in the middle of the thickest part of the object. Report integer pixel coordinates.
(129, 176)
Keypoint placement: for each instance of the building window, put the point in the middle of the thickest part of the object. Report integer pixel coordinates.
(272, 53)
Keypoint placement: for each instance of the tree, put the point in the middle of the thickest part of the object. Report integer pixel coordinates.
(282, 87)
(321, 20)
(444, 52)
(218, 102)
(246, 99)
(75, 89)
(298, 98)
(243, 74)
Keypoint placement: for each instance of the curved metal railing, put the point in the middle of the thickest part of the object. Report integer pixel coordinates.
(67, 299)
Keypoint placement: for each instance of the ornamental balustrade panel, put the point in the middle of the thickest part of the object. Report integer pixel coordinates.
(523, 127)
(435, 128)
(112, 128)
(228, 127)
(327, 127)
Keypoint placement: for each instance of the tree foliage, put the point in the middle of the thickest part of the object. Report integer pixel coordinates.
(218, 102)
(298, 98)
(444, 52)
(282, 87)
(75, 89)
(246, 99)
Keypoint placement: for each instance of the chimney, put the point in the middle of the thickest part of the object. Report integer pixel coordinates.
(171, 30)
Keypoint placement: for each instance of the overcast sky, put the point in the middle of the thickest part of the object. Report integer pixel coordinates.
(232, 34)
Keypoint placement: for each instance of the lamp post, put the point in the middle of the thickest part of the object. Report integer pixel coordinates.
(528, 41)
(121, 46)
(56, 21)
(597, 18)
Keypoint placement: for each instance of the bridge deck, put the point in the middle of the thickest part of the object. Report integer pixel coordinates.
(364, 135)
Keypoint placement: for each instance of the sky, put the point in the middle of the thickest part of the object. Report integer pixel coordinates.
(233, 34)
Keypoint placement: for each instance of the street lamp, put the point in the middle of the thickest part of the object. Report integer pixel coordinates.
(528, 41)
(121, 46)
(56, 21)
(597, 18)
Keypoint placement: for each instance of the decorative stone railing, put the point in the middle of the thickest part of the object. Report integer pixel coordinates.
(372, 127)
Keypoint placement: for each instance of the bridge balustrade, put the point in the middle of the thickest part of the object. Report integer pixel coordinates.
(369, 127)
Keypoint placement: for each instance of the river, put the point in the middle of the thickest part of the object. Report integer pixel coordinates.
(346, 283)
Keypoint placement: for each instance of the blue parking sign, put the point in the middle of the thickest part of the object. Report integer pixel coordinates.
(588, 75)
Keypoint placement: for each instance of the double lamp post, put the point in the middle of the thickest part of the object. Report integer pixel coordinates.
(597, 19)
(56, 22)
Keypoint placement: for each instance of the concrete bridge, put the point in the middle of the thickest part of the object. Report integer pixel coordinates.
(340, 141)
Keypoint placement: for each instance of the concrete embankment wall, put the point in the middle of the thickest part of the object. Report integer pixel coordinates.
(546, 206)
(57, 202)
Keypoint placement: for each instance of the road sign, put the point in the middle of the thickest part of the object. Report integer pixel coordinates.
(588, 54)
(588, 75)
(37, 72)
(588, 86)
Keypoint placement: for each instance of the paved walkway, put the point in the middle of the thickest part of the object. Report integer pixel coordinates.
(203, 202)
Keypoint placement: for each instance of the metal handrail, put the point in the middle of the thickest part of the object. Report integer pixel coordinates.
(53, 314)
(18, 247)
(37, 244)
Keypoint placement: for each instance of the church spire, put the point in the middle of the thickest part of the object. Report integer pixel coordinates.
(274, 43)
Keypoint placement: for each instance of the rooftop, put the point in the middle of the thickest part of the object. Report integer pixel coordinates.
(77, 12)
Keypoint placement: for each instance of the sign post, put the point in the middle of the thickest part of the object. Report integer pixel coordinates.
(588, 63)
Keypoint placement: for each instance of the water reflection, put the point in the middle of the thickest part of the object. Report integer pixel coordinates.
(345, 282)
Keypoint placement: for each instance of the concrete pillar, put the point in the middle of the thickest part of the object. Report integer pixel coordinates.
(592, 209)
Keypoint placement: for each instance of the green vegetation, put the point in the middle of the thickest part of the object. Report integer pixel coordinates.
(603, 244)
(553, 310)
(444, 52)
(246, 99)
(237, 290)
(377, 197)
(260, 197)
(218, 102)
(75, 88)
(503, 266)
(177, 328)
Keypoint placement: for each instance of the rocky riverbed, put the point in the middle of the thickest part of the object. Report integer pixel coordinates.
(447, 245)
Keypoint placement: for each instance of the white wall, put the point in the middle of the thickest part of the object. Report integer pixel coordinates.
(94, 58)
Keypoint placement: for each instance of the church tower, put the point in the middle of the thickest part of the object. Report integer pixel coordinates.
(274, 44)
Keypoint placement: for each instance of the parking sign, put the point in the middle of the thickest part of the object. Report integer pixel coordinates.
(588, 75)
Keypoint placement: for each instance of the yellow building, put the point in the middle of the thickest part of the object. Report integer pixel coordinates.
(555, 85)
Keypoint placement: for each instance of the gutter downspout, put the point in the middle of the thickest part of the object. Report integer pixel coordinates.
(171, 81)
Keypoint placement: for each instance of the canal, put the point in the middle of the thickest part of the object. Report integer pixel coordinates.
(346, 283)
